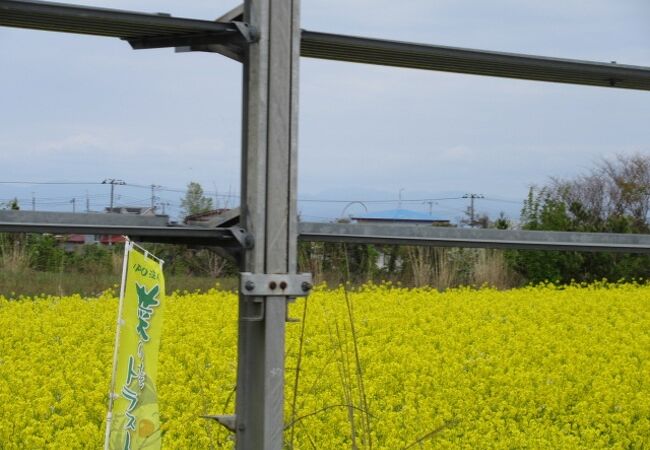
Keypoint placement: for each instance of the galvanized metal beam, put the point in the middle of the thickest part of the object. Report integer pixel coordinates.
(230, 36)
(55, 223)
(140, 29)
(139, 228)
(231, 50)
(478, 62)
(269, 212)
(51, 217)
(210, 237)
(478, 238)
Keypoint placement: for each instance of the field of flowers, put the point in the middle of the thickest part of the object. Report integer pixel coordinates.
(381, 367)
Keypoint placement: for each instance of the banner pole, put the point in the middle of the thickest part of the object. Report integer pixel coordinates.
(111, 394)
(146, 252)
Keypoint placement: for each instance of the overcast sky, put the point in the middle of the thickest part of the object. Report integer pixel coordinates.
(82, 109)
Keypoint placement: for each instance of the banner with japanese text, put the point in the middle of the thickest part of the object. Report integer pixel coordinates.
(134, 421)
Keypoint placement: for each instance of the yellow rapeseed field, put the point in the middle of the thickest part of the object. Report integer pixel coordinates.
(382, 367)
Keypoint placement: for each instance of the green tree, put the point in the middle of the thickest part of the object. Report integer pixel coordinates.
(11, 204)
(502, 222)
(195, 201)
(611, 198)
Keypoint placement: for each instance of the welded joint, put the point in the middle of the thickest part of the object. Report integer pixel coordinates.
(227, 421)
(243, 34)
(250, 34)
(243, 237)
(275, 285)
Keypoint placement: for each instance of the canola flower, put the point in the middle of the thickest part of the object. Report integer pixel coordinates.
(382, 367)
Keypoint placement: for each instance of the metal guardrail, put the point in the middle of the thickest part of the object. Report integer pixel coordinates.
(233, 237)
(141, 30)
(478, 62)
(477, 238)
(144, 228)
(217, 237)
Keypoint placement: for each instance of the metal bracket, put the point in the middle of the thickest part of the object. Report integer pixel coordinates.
(250, 33)
(228, 421)
(242, 35)
(260, 315)
(275, 285)
(245, 239)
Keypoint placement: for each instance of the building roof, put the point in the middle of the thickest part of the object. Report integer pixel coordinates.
(206, 214)
(135, 210)
(400, 215)
(222, 217)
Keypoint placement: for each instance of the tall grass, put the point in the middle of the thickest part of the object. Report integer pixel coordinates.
(411, 266)
(14, 257)
(445, 268)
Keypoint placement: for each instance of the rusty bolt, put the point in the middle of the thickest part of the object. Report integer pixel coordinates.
(283, 285)
(273, 285)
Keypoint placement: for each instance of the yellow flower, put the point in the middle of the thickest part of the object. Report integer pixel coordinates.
(543, 367)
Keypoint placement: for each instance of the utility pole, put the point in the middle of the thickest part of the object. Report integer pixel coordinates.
(154, 198)
(74, 205)
(399, 203)
(33, 202)
(471, 198)
(112, 182)
(87, 203)
(226, 204)
(216, 195)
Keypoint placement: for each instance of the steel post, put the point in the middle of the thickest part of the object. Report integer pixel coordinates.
(269, 213)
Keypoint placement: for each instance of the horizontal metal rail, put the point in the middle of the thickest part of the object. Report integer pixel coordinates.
(135, 27)
(477, 238)
(217, 237)
(478, 62)
(361, 234)
(159, 30)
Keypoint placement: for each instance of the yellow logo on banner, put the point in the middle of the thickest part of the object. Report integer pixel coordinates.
(136, 423)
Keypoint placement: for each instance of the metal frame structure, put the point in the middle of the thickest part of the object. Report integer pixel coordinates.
(265, 36)
(235, 238)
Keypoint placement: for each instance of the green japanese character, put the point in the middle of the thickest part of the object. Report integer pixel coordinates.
(146, 302)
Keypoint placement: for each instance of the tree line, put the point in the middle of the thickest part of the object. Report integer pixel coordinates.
(612, 197)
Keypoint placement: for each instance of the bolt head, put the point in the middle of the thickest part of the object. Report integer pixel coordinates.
(249, 285)
(306, 286)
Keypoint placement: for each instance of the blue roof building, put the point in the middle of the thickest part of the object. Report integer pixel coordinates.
(401, 216)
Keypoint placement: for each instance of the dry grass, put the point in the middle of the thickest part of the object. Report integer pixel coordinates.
(492, 269)
(13, 257)
(445, 268)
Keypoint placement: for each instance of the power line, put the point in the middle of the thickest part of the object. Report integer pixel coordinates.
(414, 200)
(113, 182)
(502, 200)
(215, 193)
(160, 188)
(50, 182)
